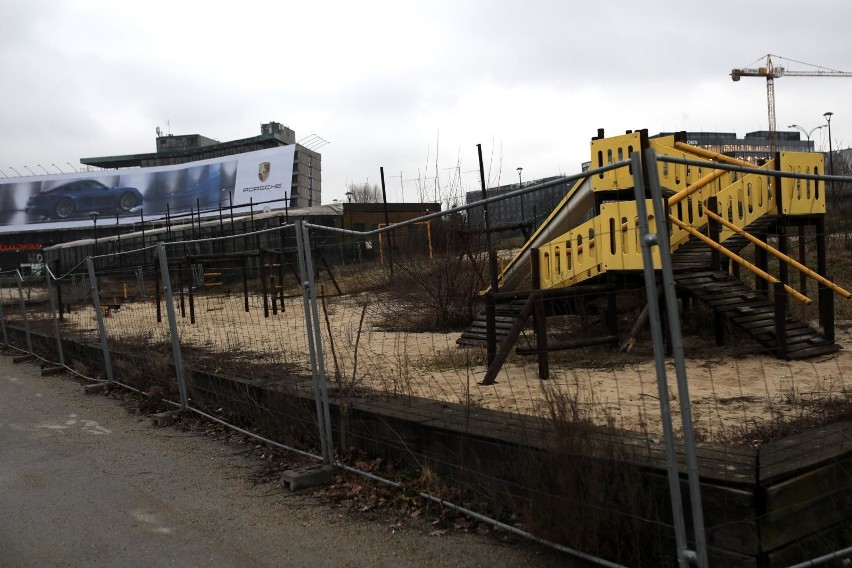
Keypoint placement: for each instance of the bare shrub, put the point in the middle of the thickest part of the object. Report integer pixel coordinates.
(586, 489)
(436, 294)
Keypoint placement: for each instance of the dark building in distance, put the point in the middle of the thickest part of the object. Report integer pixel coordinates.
(535, 207)
(532, 208)
(753, 147)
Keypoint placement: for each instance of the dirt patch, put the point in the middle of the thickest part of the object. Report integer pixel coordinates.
(730, 392)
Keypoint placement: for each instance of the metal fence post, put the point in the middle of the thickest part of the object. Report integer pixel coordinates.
(660, 240)
(99, 315)
(24, 313)
(314, 336)
(173, 328)
(53, 315)
(3, 321)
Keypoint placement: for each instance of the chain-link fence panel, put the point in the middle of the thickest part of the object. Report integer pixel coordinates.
(241, 324)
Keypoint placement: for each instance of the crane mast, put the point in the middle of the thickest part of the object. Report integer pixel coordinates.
(771, 72)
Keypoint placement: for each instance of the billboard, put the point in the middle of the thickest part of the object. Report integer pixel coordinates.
(124, 196)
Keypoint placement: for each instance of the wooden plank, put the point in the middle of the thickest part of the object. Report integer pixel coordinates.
(814, 352)
(791, 455)
(810, 486)
(791, 525)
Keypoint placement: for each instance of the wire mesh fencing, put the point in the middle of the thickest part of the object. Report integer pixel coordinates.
(344, 344)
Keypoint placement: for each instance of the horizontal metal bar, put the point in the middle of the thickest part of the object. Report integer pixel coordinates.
(755, 170)
(480, 203)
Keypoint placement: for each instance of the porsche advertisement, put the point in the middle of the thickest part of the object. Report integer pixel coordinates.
(126, 195)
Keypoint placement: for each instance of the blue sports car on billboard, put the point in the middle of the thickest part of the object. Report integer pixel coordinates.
(81, 197)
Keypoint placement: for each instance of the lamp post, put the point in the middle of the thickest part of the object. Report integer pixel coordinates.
(352, 244)
(830, 151)
(43, 168)
(70, 166)
(29, 170)
(520, 185)
(807, 132)
(827, 116)
(58, 168)
(94, 216)
(4, 174)
(14, 170)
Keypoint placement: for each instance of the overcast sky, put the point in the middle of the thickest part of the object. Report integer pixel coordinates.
(412, 86)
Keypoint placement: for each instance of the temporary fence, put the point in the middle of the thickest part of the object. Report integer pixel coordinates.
(332, 342)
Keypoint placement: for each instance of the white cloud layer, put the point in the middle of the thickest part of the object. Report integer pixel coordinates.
(409, 86)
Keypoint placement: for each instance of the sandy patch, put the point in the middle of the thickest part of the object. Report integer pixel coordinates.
(728, 394)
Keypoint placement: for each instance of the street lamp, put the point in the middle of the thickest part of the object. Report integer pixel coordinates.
(521, 185)
(94, 216)
(29, 170)
(4, 174)
(58, 168)
(45, 171)
(70, 166)
(830, 157)
(807, 132)
(14, 170)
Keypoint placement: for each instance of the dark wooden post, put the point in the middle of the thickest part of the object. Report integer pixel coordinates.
(803, 260)
(761, 260)
(490, 307)
(245, 285)
(182, 302)
(157, 297)
(780, 297)
(280, 273)
(826, 312)
(539, 319)
(783, 248)
(714, 229)
(59, 292)
(191, 304)
(264, 291)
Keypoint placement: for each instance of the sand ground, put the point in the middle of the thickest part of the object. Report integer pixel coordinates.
(729, 394)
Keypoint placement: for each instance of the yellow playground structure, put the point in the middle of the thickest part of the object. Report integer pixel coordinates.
(588, 251)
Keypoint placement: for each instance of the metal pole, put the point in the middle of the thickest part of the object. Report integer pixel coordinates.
(173, 328)
(387, 222)
(99, 315)
(24, 313)
(490, 308)
(56, 331)
(305, 270)
(3, 322)
(830, 151)
(323, 379)
(680, 363)
(647, 241)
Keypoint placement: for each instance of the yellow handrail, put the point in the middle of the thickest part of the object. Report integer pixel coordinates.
(687, 191)
(710, 155)
(739, 260)
(778, 254)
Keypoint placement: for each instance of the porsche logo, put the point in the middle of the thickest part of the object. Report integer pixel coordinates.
(263, 171)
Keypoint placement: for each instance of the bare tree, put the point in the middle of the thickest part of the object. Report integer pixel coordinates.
(364, 193)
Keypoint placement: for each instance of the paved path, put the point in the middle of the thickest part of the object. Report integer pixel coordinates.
(83, 483)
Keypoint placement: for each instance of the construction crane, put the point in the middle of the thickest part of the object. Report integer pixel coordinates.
(771, 72)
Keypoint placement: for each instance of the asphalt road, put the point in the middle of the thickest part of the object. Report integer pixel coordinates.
(84, 483)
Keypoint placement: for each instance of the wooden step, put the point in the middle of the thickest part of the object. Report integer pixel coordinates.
(754, 314)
